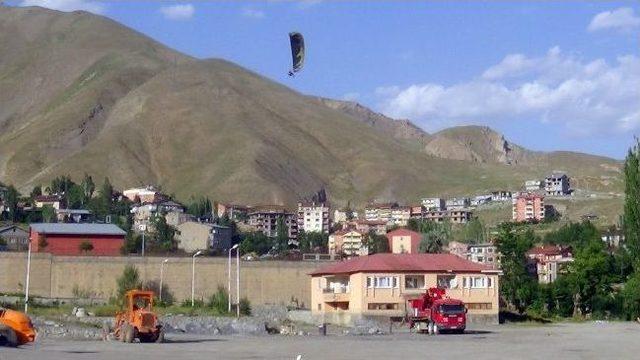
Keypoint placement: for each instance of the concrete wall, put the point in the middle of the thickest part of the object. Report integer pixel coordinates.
(262, 282)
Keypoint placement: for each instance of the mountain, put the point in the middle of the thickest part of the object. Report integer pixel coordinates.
(81, 93)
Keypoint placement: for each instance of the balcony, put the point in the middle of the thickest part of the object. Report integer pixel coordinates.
(336, 293)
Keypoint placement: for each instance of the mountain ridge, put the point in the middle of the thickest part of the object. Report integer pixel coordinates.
(95, 96)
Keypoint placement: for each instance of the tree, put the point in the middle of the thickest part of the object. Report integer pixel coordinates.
(75, 197)
(475, 232)
(376, 244)
(86, 246)
(200, 207)
(36, 191)
(588, 276)
(48, 213)
(11, 199)
(631, 297)
(129, 280)
(313, 241)
(42, 241)
(88, 186)
(132, 243)
(282, 236)
(631, 217)
(517, 287)
(255, 242)
(164, 234)
(434, 236)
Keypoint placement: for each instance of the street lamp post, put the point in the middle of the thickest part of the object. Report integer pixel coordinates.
(193, 277)
(238, 283)
(162, 277)
(229, 276)
(26, 290)
(143, 231)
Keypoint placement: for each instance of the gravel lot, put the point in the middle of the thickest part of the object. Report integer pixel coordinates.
(611, 340)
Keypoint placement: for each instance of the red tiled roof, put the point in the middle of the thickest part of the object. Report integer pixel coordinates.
(549, 250)
(402, 232)
(47, 198)
(371, 222)
(402, 263)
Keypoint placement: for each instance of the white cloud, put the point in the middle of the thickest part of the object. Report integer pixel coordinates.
(579, 97)
(178, 12)
(623, 19)
(67, 5)
(253, 13)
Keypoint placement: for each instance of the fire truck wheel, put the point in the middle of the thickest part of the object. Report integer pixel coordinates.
(8, 336)
(436, 331)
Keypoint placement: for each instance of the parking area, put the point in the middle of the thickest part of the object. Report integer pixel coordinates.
(593, 340)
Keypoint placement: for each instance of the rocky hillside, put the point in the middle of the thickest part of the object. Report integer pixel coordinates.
(81, 93)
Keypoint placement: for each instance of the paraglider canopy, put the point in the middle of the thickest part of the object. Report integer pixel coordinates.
(297, 51)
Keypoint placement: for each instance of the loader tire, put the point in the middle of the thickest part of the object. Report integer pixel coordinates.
(8, 336)
(129, 334)
(160, 338)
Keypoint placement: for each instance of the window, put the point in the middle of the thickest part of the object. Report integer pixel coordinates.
(382, 282)
(382, 306)
(414, 282)
(446, 281)
(476, 282)
(479, 306)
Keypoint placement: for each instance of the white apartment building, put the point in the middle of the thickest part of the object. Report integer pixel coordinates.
(433, 203)
(314, 217)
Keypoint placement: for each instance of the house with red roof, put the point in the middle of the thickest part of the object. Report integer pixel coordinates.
(380, 285)
(404, 241)
(547, 261)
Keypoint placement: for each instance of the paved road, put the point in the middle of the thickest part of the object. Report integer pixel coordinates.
(559, 341)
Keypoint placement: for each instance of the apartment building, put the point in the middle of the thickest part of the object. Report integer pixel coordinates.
(501, 195)
(379, 212)
(433, 203)
(547, 261)
(265, 219)
(557, 184)
(348, 243)
(533, 185)
(485, 254)
(314, 217)
(528, 207)
(380, 285)
(461, 216)
(457, 203)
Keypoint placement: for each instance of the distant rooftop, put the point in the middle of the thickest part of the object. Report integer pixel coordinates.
(77, 229)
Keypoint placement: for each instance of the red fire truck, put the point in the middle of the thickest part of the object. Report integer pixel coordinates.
(435, 313)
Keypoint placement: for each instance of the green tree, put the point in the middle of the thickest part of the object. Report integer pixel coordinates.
(86, 246)
(631, 217)
(129, 280)
(517, 287)
(588, 276)
(164, 234)
(376, 244)
(475, 232)
(200, 207)
(313, 241)
(76, 197)
(631, 296)
(255, 242)
(12, 197)
(48, 213)
(282, 236)
(434, 236)
(132, 243)
(88, 186)
(36, 191)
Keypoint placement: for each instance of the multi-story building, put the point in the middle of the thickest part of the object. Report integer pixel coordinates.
(533, 185)
(144, 213)
(400, 215)
(365, 226)
(485, 254)
(265, 219)
(433, 203)
(480, 200)
(458, 249)
(379, 212)
(528, 207)
(314, 217)
(548, 261)
(557, 184)
(457, 203)
(233, 211)
(501, 195)
(461, 216)
(380, 285)
(348, 243)
(344, 215)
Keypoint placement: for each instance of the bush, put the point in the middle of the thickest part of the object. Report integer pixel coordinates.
(129, 280)
(197, 303)
(167, 296)
(219, 301)
(245, 307)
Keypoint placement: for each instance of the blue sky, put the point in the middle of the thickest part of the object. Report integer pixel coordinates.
(549, 75)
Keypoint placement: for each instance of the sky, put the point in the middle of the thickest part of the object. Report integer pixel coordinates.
(548, 75)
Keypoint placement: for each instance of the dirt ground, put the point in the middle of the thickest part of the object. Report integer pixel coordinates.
(593, 340)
